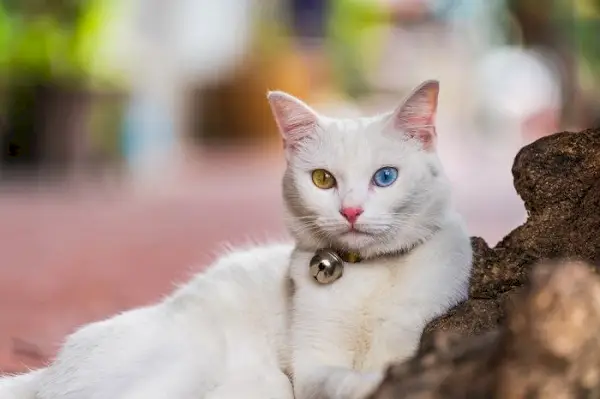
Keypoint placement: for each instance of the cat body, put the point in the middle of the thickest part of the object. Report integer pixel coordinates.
(257, 319)
(222, 335)
(345, 334)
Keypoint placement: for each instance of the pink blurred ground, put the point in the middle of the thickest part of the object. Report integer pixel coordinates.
(78, 255)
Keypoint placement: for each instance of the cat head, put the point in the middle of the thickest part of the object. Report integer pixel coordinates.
(373, 185)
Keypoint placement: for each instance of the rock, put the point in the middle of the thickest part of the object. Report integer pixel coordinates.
(558, 178)
(517, 337)
(549, 348)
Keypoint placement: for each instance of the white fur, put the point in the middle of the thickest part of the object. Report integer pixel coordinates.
(373, 315)
(236, 330)
(222, 335)
(344, 335)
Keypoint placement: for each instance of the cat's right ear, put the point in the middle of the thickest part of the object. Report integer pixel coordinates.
(294, 118)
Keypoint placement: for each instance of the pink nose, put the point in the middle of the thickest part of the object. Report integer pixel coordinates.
(351, 214)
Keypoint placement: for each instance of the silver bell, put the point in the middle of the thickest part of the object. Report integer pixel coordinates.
(326, 266)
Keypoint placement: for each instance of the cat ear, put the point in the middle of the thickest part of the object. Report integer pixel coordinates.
(294, 118)
(415, 118)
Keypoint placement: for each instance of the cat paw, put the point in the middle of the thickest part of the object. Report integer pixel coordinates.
(270, 385)
(368, 385)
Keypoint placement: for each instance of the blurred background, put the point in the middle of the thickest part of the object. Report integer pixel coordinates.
(136, 137)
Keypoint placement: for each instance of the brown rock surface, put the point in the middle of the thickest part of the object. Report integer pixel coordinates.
(548, 345)
(558, 178)
(549, 348)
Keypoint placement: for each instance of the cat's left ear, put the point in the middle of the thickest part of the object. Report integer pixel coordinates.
(415, 118)
(295, 120)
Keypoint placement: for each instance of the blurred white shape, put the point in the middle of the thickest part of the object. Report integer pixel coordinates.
(210, 35)
(164, 47)
(190, 39)
(517, 82)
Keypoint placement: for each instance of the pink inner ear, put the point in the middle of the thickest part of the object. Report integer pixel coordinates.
(294, 119)
(416, 117)
(413, 121)
(425, 135)
(296, 130)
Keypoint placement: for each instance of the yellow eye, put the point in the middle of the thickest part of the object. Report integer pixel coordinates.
(323, 179)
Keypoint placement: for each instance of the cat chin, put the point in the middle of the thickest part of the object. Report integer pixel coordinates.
(355, 240)
(351, 241)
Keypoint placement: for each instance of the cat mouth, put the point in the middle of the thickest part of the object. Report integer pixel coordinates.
(357, 231)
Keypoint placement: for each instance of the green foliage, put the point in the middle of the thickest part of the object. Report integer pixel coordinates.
(52, 40)
(5, 34)
(353, 43)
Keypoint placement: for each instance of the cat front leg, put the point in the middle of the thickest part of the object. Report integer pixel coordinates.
(324, 342)
(258, 383)
(330, 382)
(317, 378)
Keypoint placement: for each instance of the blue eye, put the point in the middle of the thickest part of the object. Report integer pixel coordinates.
(385, 176)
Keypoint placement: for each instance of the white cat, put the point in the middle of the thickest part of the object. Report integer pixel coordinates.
(371, 190)
(372, 187)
